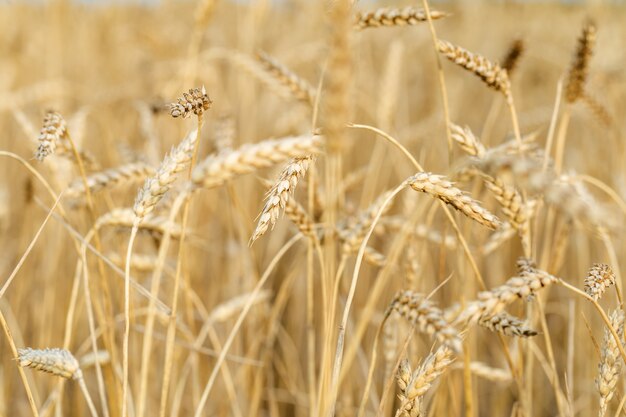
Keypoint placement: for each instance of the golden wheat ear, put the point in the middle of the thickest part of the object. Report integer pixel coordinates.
(579, 69)
(53, 130)
(395, 17)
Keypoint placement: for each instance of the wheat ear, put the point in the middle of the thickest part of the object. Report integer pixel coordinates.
(395, 17)
(216, 169)
(136, 171)
(507, 325)
(59, 362)
(279, 194)
(577, 75)
(54, 129)
(300, 89)
(599, 278)
(491, 74)
(610, 365)
(196, 101)
(437, 186)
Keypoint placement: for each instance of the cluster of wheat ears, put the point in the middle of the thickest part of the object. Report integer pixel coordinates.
(344, 292)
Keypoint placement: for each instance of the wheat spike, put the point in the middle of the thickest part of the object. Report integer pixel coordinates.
(437, 186)
(577, 75)
(610, 365)
(280, 193)
(216, 169)
(395, 17)
(490, 303)
(507, 325)
(511, 59)
(125, 217)
(196, 101)
(156, 186)
(427, 317)
(54, 129)
(299, 88)
(599, 278)
(467, 141)
(492, 74)
(59, 362)
(136, 171)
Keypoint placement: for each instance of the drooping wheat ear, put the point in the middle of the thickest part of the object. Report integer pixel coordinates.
(511, 59)
(577, 75)
(599, 278)
(216, 169)
(515, 209)
(136, 171)
(490, 303)
(196, 102)
(467, 141)
(125, 217)
(224, 134)
(487, 372)
(507, 325)
(280, 193)
(54, 129)
(421, 231)
(610, 365)
(156, 186)
(298, 215)
(598, 110)
(421, 380)
(59, 362)
(498, 238)
(301, 89)
(353, 230)
(437, 186)
(139, 262)
(492, 74)
(395, 17)
(427, 317)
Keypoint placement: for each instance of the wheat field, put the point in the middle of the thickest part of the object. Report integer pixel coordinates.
(302, 208)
